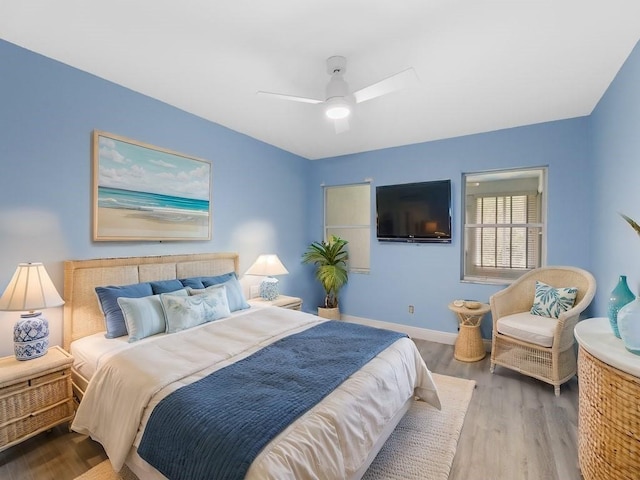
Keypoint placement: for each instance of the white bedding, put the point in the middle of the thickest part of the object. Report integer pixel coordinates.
(333, 438)
(90, 352)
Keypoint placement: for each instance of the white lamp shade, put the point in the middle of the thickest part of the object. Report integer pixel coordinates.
(30, 289)
(267, 265)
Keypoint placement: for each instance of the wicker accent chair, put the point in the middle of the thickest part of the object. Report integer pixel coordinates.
(554, 363)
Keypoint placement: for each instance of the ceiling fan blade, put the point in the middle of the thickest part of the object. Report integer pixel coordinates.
(294, 98)
(341, 125)
(390, 84)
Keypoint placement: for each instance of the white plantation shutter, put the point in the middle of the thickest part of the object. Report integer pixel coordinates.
(503, 231)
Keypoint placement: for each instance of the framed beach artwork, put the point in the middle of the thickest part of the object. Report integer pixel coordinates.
(142, 192)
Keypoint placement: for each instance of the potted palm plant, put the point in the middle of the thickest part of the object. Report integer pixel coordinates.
(330, 259)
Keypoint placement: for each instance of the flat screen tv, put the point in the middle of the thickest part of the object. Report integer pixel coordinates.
(414, 212)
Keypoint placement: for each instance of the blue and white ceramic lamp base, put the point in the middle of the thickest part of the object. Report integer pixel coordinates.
(31, 336)
(269, 288)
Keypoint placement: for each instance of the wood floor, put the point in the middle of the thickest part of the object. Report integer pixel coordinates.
(515, 429)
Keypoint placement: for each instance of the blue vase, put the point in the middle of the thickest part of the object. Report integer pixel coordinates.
(629, 325)
(620, 296)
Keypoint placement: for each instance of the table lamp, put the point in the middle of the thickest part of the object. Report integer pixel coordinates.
(30, 289)
(268, 265)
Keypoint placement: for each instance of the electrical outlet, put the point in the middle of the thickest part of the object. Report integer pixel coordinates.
(254, 291)
(411, 309)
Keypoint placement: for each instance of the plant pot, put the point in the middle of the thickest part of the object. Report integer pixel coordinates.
(330, 313)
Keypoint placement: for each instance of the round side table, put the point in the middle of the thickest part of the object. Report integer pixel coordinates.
(469, 346)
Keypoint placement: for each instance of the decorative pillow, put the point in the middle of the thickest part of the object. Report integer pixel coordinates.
(235, 295)
(144, 316)
(202, 282)
(185, 312)
(192, 282)
(108, 300)
(551, 302)
(166, 286)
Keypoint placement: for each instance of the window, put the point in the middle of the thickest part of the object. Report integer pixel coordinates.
(347, 214)
(504, 228)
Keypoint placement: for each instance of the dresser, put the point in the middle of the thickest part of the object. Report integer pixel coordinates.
(35, 395)
(609, 405)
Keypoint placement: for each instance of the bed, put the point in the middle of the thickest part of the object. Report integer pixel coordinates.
(122, 386)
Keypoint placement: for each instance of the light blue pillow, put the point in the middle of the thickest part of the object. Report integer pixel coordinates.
(108, 300)
(551, 302)
(235, 295)
(144, 316)
(185, 312)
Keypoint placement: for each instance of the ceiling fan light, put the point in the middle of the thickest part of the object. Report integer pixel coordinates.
(337, 108)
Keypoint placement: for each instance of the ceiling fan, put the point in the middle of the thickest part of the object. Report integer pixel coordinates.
(339, 101)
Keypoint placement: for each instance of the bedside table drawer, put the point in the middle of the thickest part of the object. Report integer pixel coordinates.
(282, 301)
(35, 422)
(50, 377)
(293, 306)
(34, 395)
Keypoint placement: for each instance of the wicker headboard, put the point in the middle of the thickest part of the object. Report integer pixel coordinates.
(82, 315)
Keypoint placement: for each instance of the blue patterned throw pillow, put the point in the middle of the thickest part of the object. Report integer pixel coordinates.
(551, 302)
(186, 312)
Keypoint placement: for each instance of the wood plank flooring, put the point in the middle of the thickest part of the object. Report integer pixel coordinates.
(515, 429)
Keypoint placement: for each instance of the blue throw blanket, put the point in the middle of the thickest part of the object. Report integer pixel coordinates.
(215, 427)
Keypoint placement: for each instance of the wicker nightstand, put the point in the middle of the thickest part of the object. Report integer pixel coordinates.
(35, 395)
(283, 301)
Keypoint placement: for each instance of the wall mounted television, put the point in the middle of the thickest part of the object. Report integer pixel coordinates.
(414, 212)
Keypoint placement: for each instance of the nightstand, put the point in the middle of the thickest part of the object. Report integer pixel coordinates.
(35, 395)
(283, 301)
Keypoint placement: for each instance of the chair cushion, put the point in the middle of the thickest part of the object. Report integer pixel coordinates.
(528, 328)
(551, 302)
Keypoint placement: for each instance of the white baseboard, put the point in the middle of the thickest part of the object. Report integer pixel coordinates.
(414, 332)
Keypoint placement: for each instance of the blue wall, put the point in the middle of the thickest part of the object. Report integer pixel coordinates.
(428, 276)
(267, 200)
(47, 113)
(615, 147)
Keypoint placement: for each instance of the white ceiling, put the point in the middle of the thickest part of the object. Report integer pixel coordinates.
(483, 64)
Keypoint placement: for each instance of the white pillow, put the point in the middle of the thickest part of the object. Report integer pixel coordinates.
(185, 312)
(144, 316)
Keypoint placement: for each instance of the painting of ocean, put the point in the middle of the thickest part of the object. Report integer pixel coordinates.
(154, 205)
(143, 192)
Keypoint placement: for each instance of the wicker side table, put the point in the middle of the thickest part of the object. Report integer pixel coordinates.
(469, 346)
(608, 410)
(35, 395)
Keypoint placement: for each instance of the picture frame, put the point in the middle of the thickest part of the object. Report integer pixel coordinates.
(146, 193)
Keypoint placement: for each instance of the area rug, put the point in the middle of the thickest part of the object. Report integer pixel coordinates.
(421, 447)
